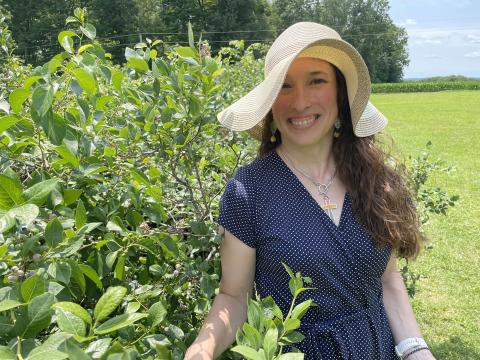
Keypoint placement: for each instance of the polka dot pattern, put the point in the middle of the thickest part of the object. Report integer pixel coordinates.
(269, 209)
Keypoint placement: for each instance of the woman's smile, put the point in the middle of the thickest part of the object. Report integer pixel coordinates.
(303, 122)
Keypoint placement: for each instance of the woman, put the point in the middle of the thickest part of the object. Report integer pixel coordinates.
(320, 198)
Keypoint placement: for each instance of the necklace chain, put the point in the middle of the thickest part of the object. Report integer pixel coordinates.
(321, 187)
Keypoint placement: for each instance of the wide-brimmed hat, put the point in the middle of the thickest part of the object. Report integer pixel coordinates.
(306, 39)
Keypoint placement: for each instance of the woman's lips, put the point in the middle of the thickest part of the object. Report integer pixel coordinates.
(302, 122)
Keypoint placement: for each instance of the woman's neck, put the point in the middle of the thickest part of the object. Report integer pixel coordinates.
(317, 161)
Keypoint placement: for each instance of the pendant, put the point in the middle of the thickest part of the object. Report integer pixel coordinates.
(328, 207)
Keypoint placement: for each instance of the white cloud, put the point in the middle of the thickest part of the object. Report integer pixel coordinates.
(432, 57)
(473, 38)
(410, 22)
(475, 54)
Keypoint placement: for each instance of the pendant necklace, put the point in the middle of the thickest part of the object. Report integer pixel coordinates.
(321, 188)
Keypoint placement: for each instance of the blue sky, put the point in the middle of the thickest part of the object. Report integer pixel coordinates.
(443, 36)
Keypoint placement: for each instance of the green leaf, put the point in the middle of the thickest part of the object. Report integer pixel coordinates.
(67, 44)
(291, 356)
(247, 352)
(103, 101)
(53, 233)
(75, 309)
(89, 31)
(39, 315)
(70, 323)
(118, 322)
(7, 122)
(46, 353)
(86, 80)
(138, 64)
(42, 99)
(38, 193)
(116, 224)
(7, 354)
(17, 98)
(55, 127)
(75, 352)
(120, 268)
(80, 215)
(66, 154)
(71, 195)
(25, 214)
(108, 302)
(291, 324)
(300, 310)
(186, 52)
(10, 192)
(91, 274)
(254, 314)
(117, 81)
(32, 287)
(62, 34)
(190, 36)
(270, 342)
(60, 271)
(156, 314)
(9, 304)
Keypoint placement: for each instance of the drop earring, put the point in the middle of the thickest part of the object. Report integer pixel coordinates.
(336, 131)
(273, 129)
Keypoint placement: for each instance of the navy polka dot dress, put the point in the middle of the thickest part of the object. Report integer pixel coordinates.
(269, 209)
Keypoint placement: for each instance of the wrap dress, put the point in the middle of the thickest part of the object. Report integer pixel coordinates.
(268, 208)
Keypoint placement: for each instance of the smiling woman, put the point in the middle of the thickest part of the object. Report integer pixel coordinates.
(321, 199)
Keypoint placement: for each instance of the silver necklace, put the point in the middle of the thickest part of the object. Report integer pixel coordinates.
(321, 187)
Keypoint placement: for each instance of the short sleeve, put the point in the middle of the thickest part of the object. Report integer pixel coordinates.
(236, 209)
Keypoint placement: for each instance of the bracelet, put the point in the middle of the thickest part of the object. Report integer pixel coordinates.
(408, 344)
(415, 350)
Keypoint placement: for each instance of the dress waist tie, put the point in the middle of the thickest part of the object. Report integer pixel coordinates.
(315, 332)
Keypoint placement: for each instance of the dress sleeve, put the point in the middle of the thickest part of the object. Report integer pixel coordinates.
(236, 209)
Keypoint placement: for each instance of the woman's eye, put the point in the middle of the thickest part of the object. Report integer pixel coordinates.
(285, 86)
(318, 81)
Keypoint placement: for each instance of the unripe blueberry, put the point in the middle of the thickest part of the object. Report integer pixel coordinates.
(36, 257)
(12, 278)
(20, 273)
(14, 268)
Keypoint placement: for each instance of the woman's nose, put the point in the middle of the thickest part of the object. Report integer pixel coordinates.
(300, 100)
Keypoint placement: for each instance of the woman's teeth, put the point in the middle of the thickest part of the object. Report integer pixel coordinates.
(303, 121)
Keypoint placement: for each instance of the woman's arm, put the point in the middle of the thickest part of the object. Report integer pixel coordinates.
(229, 309)
(399, 311)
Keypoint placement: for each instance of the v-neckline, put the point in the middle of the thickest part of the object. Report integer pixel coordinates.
(317, 205)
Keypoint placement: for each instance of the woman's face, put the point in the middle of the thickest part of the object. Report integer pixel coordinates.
(306, 108)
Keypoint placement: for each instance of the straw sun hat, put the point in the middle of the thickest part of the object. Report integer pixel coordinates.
(306, 39)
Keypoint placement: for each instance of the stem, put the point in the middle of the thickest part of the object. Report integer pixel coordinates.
(19, 348)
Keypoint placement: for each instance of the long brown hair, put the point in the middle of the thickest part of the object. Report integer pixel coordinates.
(380, 197)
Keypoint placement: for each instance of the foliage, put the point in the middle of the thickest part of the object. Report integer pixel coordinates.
(108, 192)
(426, 86)
(120, 23)
(266, 331)
(109, 185)
(429, 200)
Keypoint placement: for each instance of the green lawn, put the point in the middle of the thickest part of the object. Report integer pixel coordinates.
(448, 302)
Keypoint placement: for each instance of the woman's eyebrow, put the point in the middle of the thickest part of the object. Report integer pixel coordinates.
(318, 72)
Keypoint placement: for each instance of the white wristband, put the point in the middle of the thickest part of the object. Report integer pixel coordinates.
(408, 344)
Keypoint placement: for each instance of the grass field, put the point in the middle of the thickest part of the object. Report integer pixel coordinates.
(447, 304)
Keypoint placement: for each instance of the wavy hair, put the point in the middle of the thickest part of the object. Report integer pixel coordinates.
(380, 197)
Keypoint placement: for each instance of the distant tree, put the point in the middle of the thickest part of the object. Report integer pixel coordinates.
(240, 19)
(117, 22)
(365, 24)
(35, 25)
(288, 12)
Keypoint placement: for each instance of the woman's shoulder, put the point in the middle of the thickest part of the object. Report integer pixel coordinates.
(258, 168)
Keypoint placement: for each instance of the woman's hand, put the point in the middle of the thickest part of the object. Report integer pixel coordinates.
(421, 355)
(197, 352)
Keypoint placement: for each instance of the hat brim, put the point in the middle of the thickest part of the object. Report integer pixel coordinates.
(248, 113)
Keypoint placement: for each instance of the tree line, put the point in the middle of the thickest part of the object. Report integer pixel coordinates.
(366, 24)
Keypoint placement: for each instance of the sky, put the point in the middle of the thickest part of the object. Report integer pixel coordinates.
(443, 36)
